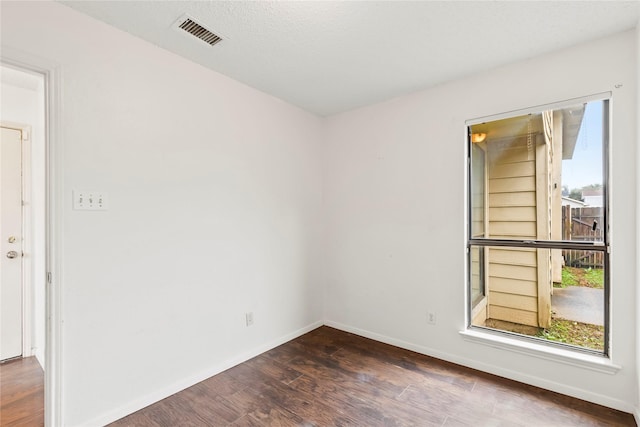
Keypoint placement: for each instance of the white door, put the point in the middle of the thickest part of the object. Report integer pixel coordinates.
(10, 243)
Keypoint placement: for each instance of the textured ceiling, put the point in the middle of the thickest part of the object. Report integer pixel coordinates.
(328, 57)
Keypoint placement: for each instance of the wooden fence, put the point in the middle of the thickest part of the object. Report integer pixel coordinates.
(582, 224)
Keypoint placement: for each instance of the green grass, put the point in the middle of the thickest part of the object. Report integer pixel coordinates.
(575, 333)
(568, 278)
(588, 277)
(561, 330)
(594, 277)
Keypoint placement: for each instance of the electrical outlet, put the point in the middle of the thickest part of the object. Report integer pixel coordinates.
(431, 318)
(88, 200)
(249, 318)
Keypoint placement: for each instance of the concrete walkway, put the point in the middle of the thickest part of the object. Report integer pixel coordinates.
(580, 304)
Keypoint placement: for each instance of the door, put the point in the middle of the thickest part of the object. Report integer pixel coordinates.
(10, 243)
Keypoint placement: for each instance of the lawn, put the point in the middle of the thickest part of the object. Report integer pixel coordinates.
(574, 333)
(589, 277)
(561, 330)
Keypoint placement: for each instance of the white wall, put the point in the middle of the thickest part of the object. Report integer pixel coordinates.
(215, 204)
(395, 214)
(216, 209)
(24, 105)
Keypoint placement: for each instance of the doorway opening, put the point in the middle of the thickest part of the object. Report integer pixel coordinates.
(23, 228)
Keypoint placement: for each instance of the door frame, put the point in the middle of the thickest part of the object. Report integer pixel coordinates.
(51, 71)
(26, 279)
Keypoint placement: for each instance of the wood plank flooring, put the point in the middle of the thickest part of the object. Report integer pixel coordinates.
(21, 393)
(332, 378)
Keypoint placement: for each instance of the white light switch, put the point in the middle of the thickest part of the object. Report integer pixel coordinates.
(88, 200)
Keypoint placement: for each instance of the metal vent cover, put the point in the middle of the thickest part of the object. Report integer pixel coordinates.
(192, 27)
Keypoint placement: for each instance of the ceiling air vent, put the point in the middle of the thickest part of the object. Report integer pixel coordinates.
(190, 26)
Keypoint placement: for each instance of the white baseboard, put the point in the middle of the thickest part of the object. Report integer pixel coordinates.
(587, 395)
(158, 395)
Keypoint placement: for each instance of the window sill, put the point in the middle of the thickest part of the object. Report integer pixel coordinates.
(574, 358)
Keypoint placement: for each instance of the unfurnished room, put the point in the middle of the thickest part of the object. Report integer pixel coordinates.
(319, 213)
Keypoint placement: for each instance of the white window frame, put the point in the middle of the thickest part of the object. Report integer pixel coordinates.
(591, 359)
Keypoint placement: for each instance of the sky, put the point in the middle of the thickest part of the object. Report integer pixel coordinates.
(585, 167)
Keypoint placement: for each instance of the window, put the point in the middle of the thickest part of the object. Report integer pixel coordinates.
(478, 226)
(537, 236)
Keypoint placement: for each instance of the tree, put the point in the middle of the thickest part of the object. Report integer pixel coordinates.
(576, 194)
(592, 187)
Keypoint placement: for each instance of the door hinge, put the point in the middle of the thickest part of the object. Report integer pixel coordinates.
(48, 278)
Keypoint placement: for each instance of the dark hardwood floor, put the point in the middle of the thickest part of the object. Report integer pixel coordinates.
(21, 393)
(332, 378)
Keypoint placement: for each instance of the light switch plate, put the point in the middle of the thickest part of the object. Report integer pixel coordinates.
(90, 200)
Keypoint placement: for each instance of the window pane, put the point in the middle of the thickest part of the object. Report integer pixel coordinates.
(539, 176)
(478, 193)
(477, 271)
(522, 298)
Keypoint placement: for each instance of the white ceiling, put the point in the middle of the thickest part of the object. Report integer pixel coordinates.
(332, 56)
